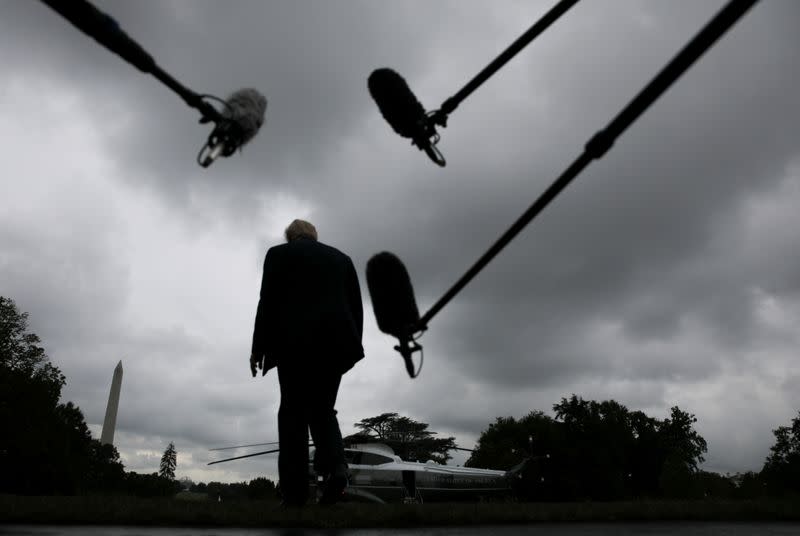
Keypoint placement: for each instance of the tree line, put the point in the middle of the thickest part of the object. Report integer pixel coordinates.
(602, 451)
(588, 450)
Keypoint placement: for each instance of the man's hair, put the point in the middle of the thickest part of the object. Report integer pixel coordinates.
(300, 228)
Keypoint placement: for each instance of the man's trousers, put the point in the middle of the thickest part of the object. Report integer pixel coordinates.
(308, 397)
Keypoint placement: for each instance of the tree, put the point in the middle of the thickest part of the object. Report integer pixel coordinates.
(106, 472)
(508, 441)
(707, 484)
(410, 439)
(682, 450)
(629, 453)
(599, 442)
(30, 387)
(646, 458)
(169, 461)
(749, 485)
(597, 450)
(260, 488)
(782, 466)
(20, 351)
(681, 439)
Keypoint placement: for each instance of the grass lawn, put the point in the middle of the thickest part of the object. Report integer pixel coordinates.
(193, 510)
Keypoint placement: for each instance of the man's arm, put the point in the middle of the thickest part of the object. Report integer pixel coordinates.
(266, 304)
(354, 295)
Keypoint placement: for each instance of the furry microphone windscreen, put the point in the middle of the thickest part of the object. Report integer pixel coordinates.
(392, 295)
(397, 103)
(246, 108)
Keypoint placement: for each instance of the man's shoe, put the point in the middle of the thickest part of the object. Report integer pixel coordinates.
(334, 487)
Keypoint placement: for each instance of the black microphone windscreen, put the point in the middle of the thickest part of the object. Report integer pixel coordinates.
(392, 295)
(397, 103)
(246, 108)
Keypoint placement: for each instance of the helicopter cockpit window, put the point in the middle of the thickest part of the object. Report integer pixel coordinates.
(352, 456)
(369, 458)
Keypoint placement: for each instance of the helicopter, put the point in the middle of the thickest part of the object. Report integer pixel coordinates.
(376, 474)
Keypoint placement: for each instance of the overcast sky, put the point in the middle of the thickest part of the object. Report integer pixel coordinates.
(667, 274)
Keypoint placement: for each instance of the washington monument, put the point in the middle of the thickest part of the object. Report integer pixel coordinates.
(110, 422)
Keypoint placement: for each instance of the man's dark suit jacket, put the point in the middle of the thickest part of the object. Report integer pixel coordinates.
(310, 309)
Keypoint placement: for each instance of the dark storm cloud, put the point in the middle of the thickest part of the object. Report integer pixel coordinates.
(311, 59)
(630, 223)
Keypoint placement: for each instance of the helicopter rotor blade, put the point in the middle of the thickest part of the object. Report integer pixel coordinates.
(245, 456)
(245, 446)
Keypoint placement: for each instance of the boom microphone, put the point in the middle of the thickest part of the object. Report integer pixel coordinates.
(242, 116)
(393, 303)
(403, 111)
(398, 105)
(244, 110)
(408, 118)
(392, 295)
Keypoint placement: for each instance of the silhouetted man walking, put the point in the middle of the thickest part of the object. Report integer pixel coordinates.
(309, 324)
